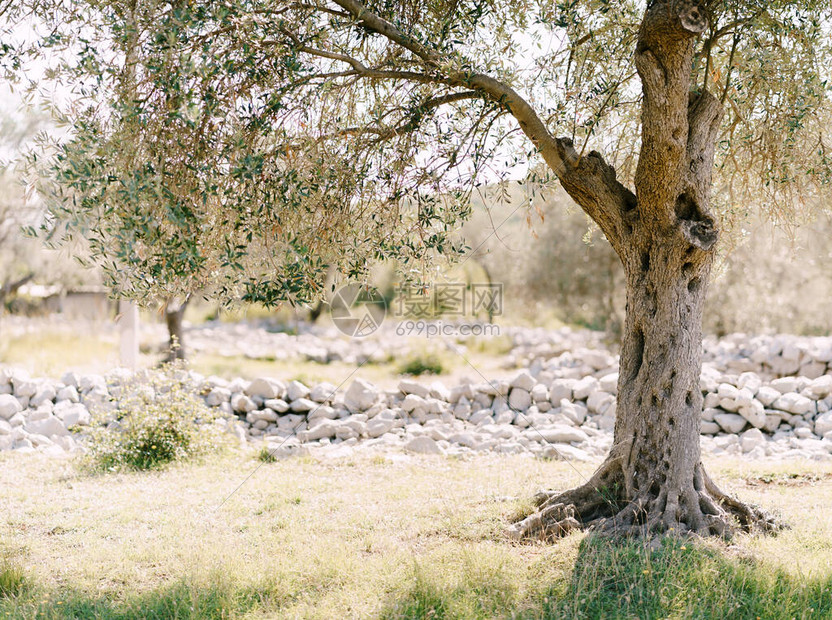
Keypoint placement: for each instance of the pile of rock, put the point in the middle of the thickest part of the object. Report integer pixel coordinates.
(770, 357)
(560, 409)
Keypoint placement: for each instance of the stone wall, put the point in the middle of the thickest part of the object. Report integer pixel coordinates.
(561, 406)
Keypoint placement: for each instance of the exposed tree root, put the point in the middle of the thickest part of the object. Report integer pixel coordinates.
(603, 506)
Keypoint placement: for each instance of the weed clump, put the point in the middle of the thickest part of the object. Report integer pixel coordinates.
(156, 419)
(423, 364)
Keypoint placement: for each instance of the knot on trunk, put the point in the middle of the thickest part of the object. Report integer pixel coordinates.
(692, 17)
(676, 19)
(698, 228)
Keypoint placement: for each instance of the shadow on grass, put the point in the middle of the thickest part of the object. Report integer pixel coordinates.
(682, 580)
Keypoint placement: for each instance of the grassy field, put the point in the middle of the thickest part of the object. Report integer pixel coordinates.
(382, 537)
(53, 351)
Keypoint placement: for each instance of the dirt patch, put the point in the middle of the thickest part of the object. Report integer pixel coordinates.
(787, 479)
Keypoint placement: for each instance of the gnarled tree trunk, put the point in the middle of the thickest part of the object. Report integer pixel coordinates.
(653, 480)
(174, 315)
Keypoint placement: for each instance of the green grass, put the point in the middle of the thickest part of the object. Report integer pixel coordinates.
(53, 352)
(383, 537)
(12, 579)
(422, 364)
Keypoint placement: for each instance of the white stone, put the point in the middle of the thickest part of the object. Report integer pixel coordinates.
(38, 414)
(46, 393)
(242, 403)
(423, 445)
(558, 433)
(708, 428)
(754, 412)
(379, 426)
(793, 403)
(25, 388)
(709, 413)
(564, 451)
(412, 402)
(360, 396)
(323, 392)
(752, 438)
(293, 422)
(574, 412)
(70, 379)
(440, 391)
(726, 390)
(217, 396)
(265, 388)
(823, 424)
(519, 399)
(294, 391)
(599, 401)
(300, 405)
(784, 385)
(767, 395)
(609, 383)
(469, 440)
(584, 387)
(462, 410)
(523, 380)
(88, 383)
(750, 381)
(9, 406)
(481, 417)
(265, 414)
(68, 393)
(49, 426)
(820, 388)
(745, 398)
(406, 386)
(39, 440)
(812, 370)
(326, 428)
(74, 415)
(540, 393)
(346, 433)
(276, 404)
(322, 411)
(560, 389)
(730, 422)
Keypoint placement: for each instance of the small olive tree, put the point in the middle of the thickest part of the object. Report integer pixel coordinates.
(244, 145)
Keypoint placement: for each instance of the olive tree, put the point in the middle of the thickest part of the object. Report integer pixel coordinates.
(247, 145)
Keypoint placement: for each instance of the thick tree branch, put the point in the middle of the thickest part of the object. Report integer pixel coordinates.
(692, 207)
(664, 62)
(589, 180)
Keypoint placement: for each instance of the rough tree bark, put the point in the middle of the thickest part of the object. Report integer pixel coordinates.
(653, 480)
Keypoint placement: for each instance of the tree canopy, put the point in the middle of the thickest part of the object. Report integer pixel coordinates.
(245, 146)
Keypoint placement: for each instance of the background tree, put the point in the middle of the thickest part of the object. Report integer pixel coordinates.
(23, 259)
(246, 144)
